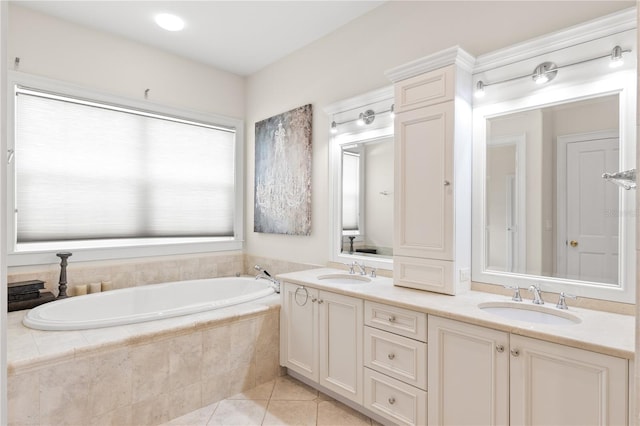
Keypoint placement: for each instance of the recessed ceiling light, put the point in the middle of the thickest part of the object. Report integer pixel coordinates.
(169, 22)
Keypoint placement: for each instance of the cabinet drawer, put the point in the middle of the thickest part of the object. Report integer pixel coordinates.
(399, 357)
(396, 320)
(424, 274)
(425, 89)
(394, 400)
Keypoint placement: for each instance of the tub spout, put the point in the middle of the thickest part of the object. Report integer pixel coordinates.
(265, 275)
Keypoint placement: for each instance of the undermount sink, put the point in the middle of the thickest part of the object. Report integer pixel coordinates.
(522, 311)
(345, 279)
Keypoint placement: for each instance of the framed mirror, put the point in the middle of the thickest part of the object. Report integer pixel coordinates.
(361, 179)
(542, 212)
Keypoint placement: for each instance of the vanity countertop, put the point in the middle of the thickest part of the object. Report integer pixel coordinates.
(603, 332)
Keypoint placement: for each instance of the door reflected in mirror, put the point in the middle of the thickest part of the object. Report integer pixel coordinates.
(367, 198)
(549, 212)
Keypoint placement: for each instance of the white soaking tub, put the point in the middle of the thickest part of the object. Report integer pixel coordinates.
(145, 303)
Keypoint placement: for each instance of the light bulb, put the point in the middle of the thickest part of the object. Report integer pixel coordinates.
(334, 127)
(169, 22)
(616, 57)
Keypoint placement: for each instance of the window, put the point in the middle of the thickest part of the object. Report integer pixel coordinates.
(98, 174)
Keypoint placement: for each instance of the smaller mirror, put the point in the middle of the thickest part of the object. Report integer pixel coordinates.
(361, 165)
(367, 198)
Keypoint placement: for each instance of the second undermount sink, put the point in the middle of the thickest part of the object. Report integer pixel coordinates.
(522, 311)
(344, 279)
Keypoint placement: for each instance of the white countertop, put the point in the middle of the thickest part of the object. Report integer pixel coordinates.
(603, 332)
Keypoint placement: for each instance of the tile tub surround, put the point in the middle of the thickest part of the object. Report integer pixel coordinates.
(134, 272)
(153, 270)
(140, 374)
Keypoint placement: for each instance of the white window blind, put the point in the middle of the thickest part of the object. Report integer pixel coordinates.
(350, 191)
(87, 171)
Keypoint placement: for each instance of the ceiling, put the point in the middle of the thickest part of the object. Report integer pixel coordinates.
(241, 37)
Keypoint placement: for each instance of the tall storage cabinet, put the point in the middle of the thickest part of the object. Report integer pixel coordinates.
(432, 211)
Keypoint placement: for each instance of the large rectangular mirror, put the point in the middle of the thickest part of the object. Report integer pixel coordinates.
(542, 213)
(548, 210)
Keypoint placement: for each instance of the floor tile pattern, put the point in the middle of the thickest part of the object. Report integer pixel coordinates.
(284, 401)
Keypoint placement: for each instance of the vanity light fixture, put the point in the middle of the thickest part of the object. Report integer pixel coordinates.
(169, 22)
(364, 118)
(616, 57)
(545, 72)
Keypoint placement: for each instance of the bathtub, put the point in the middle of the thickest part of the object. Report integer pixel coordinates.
(145, 303)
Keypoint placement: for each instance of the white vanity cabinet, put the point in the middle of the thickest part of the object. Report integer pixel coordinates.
(395, 359)
(322, 337)
(432, 172)
(484, 376)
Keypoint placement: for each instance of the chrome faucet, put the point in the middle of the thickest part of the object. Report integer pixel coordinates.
(265, 275)
(363, 269)
(537, 300)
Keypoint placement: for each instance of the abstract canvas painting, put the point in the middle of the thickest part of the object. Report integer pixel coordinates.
(282, 201)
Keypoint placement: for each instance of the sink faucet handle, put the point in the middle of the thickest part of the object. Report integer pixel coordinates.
(373, 272)
(516, 292)
(562, 304)
(351, 266)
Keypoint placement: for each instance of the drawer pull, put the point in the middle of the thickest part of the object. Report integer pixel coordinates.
(391, 356)
(392, 400)
(392, 318)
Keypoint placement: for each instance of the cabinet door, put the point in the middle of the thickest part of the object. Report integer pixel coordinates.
(553, 384)
(468, 382)
(423, 213)
(341, 338)
(299, 338)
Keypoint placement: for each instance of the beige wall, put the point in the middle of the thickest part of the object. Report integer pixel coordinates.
(353, 60)
(57, 49)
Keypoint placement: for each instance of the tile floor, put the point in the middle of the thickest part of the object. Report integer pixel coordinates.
(284, 401)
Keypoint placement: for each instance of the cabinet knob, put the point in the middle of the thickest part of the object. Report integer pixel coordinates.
(392, 318)
(500, 348)
(515, 352)
(391, 356)
(392, 400)
(320, 301)
(447, 183)
(313, 300)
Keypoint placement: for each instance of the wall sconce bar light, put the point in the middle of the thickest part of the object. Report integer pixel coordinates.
(547, 71)
(364, 118)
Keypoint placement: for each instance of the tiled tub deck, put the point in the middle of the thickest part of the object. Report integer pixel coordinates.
(140, 374)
